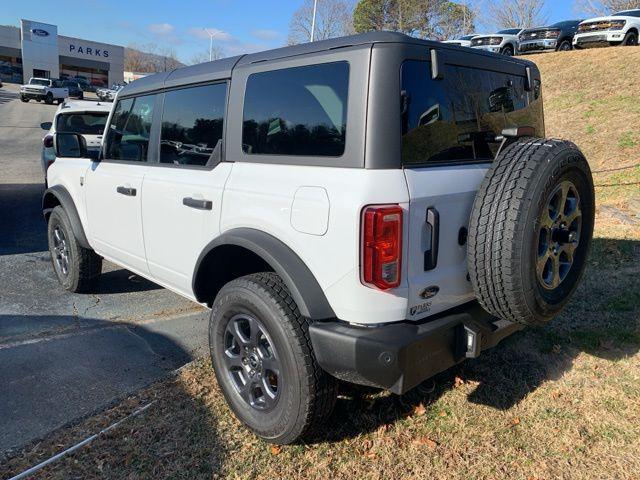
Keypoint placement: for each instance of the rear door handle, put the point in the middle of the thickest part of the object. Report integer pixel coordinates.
(130, 192)
(431, 255)
(197, 203)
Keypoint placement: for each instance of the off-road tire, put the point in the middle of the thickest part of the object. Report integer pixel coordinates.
(306, 394)
(505, 226)
(84, 265)
(630, 39)
(48, 99)
(23, 99)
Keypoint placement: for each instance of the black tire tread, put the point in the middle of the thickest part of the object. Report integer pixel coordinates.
(321, 398)
(497, 229)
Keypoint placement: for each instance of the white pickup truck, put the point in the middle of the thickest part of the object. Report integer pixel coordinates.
(44, 89)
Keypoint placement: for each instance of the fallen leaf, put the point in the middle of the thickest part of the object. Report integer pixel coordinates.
(556, 394)
(515, 421)
(457, 382)
(419, 409)
(431, 444)
(275, 449)
(442, 413)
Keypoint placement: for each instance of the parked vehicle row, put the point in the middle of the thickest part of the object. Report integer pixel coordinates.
(621, 28)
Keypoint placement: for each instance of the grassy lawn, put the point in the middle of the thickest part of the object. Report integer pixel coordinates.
(561, 401)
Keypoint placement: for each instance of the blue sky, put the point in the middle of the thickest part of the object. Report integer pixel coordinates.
(240, 25)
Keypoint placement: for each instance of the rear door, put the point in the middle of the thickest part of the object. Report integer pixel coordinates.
(182, 191)
(449, 130)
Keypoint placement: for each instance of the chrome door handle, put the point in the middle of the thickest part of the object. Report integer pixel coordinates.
(197, 203)
(130, 192)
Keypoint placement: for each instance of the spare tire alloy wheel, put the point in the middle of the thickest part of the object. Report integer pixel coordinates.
(559, 236)
(251, 361)
(530, 230)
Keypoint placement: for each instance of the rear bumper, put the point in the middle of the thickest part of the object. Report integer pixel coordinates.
(399, 356)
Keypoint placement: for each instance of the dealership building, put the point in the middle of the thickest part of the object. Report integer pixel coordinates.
(36, 50)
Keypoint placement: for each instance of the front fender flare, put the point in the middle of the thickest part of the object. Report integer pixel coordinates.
(302, 284)
(59, 195)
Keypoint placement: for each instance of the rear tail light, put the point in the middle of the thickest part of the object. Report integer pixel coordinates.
(47, 141)
(382, 246)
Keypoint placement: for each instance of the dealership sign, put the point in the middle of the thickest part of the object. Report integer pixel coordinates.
(39, 32)
(91, 51)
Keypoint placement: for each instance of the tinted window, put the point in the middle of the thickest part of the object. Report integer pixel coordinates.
(192, 120)
(128, 136)
(458, 118)
(84, 123)
(297, 111)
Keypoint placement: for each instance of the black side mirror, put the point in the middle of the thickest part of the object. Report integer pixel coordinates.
(46, 126)
(70, 145)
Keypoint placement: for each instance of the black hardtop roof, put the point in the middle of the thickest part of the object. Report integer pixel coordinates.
(221, 69)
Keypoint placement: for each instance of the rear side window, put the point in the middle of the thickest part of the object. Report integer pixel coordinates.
(128, 136)
(84, 123)
(192, 121)
(457, 119)
(297, 111)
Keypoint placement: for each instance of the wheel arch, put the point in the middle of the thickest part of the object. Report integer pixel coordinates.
(58, 195)
(243, 251)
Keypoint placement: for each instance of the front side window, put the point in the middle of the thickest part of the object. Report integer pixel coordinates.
(128, 136)
(458, 118)
(297, 111)
(83, 123)
(192, 121)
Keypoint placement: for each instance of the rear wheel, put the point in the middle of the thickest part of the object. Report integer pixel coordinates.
(530, 230)
(24, 99)
(508, 51)
(263, 360)
(565, 46)
(75, 266)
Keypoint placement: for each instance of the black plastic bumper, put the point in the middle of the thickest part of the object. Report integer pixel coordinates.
(399, 356)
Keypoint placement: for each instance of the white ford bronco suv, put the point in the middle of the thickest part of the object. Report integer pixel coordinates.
(44, 89)
(372, 209)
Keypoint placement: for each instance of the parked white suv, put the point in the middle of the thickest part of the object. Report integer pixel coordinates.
(75, 116)
(621, 28)
(503, 41)
(335, 230)
(43, 89)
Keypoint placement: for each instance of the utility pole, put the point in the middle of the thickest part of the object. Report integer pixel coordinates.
(313, 18)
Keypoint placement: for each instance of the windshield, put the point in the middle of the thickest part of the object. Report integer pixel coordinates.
(84, 123)
(466, 37)
(628, 13)
(510, 31)
(567, 23)
(37, 81)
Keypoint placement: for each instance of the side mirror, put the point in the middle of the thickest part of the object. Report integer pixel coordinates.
(70, 145)
(46, 126)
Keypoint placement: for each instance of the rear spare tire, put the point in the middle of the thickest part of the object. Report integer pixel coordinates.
(530, 230)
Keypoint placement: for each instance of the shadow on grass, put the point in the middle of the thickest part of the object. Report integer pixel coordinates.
(602, 320)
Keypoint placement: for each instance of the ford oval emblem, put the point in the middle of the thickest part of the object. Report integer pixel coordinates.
(430, 292)
(39, 32)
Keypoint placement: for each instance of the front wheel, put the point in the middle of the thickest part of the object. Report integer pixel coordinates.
(75, 266)
(508, 51)
(630, 39)
(23, 99)
(49, 99)
(263, 360)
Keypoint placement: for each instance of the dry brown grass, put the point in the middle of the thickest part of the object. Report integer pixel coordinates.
(561, 401)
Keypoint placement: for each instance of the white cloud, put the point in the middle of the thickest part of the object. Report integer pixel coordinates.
(161, 28)
(264, 34)
(204, 33)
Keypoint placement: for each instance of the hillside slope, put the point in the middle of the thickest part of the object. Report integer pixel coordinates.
(592, 97)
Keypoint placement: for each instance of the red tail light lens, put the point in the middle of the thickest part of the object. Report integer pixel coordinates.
(382, 246)
(48, 141)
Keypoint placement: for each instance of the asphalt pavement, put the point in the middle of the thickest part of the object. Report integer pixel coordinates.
(64, 356)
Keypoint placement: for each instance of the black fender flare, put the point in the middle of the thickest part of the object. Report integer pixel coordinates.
(59, 195)
(302, 284)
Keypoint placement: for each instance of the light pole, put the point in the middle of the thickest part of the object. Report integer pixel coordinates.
(313, 18)
(211, 35)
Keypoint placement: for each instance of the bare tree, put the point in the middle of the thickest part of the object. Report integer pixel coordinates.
(150, 58)
(333, 19)
(605, 7)
(517, 13)
(203, 56)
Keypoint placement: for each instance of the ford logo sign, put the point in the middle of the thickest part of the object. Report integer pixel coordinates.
(429, 292)
(39, 32)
